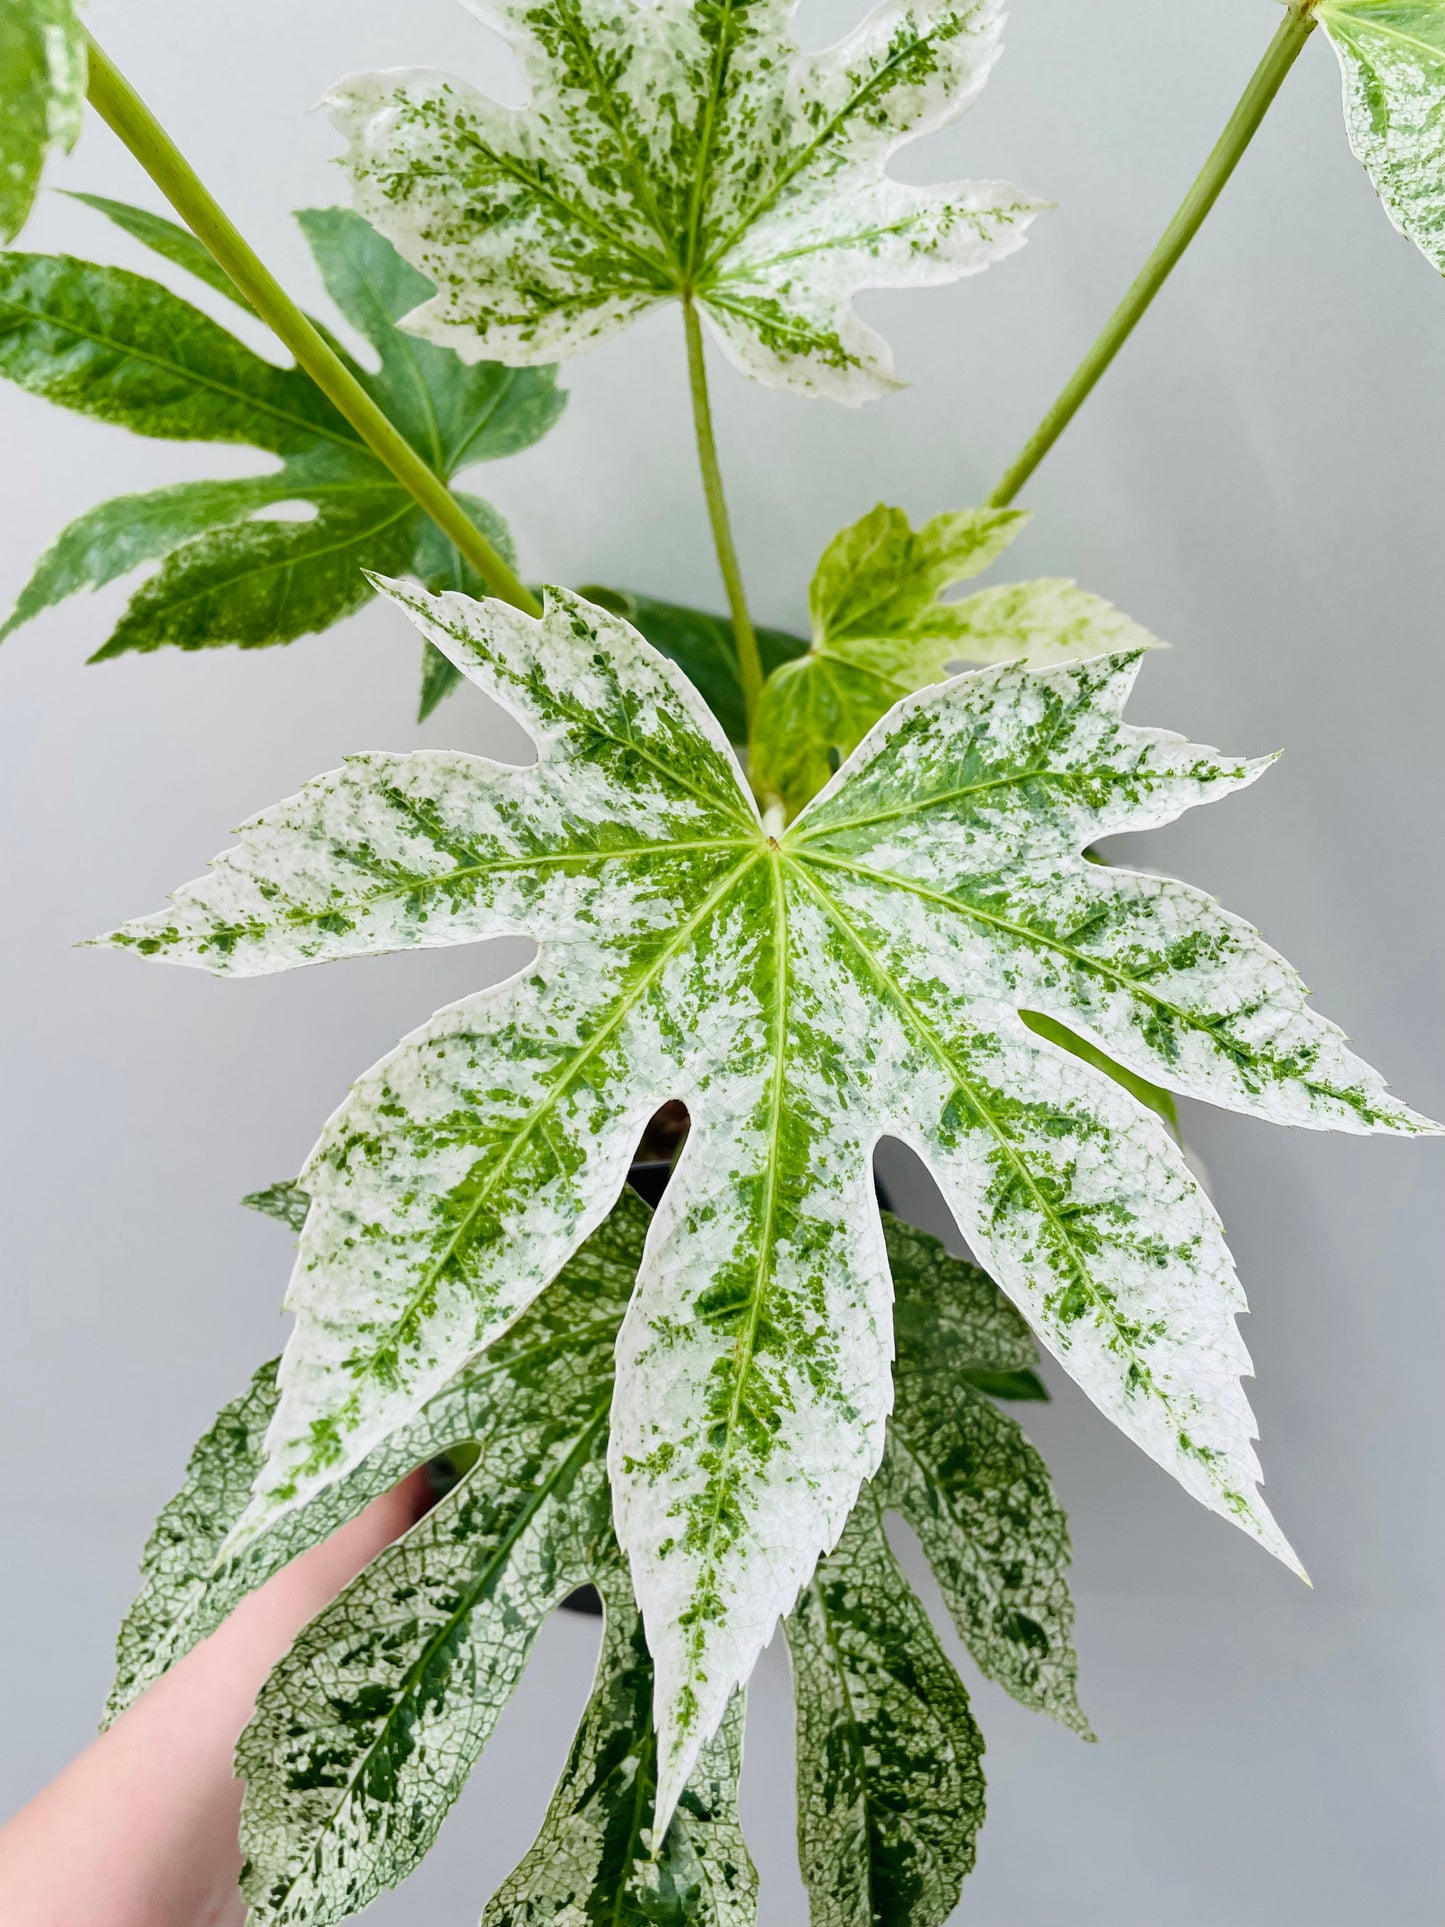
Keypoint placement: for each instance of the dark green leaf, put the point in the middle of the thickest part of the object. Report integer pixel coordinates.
(123, 349)
(703, 646)
(1018, 1385)
(117, 536)
(890, 1785)
(452, 412)
(258, 583)
(173, 243)
(440, 564)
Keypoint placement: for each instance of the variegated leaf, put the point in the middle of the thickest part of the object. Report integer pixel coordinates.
(890, 1785)
(860, 976)
(880, 630)
(1392, 62)
(125, 349)
(593, 1861)
(554, 1359)
(969, 1483)
(683, 149)
(42, 97)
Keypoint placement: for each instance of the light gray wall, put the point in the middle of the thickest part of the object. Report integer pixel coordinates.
(1261, 481)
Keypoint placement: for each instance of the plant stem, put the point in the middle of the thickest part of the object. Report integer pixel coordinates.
(1243, 124)
(750, 665)
(123, 110)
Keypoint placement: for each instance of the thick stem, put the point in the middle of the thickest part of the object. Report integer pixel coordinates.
(122, 109)
(750, 666)
(1254, 103)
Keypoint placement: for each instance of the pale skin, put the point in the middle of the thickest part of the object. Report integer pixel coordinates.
(141, 1829)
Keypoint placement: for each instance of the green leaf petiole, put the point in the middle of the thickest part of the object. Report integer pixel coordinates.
(1254, 103)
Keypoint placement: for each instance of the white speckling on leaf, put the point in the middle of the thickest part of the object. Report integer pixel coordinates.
(862, 976)
(683, 147)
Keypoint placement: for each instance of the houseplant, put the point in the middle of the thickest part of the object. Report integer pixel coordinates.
(815, 677)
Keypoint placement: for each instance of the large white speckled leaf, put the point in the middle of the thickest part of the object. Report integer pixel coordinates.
(881, 629)
(1392, 61)
(890, 1785)
(685, 146)
(861, 976)
(42, 97)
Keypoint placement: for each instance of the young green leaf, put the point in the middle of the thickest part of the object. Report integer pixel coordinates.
(42, 98)
(890, 1785)
(703, 646)
(881, 630)
(1392, 61)
(684, 149)
(592, 1861)
(125, 349)
(859, 976)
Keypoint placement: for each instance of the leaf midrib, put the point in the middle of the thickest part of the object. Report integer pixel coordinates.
(745, 1343)
(415, 886)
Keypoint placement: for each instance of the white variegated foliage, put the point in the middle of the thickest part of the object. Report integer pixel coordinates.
(1392, 63)
(860, 976)
(683, 148)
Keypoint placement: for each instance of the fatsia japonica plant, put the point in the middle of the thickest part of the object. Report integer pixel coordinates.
(817, 891)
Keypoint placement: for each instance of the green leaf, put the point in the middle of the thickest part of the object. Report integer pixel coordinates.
(858, 976)
(113, 345)
(262, 582)
(967, 1480)
(890, 1785)
(592, 1860)
(1392, 60)
(117, 536)
(284, 1200)
(42, 98)
(703, 646)
(882, 630)
(1018, 1385)
(685, 146)
(125, 349)
(451, 411)
(171, 242)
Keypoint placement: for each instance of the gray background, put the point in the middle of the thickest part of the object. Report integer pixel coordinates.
(1261, 482)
